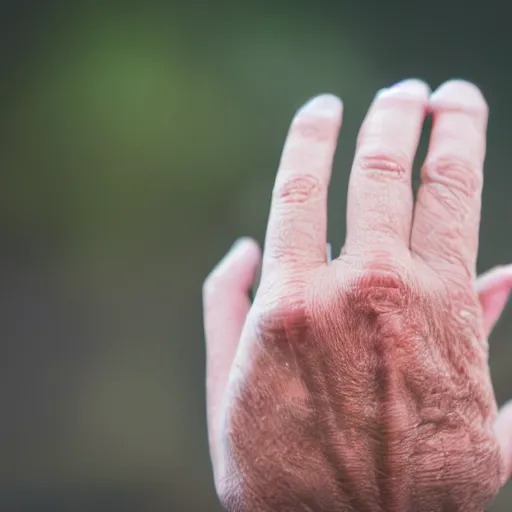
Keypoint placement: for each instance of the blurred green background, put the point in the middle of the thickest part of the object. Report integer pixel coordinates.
(137, 141)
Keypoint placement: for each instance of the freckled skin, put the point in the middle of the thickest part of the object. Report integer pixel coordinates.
(362, 384)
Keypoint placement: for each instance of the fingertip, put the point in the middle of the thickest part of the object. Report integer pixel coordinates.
(413, 88)
(498, 277)
(236, 269)
(246, 246)
(493, 290)
(323, 105)
(246, 257)
(458, 94)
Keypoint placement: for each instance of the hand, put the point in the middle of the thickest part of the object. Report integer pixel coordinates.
(362, 384)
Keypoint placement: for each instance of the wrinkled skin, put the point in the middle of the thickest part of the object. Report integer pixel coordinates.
(362, 384)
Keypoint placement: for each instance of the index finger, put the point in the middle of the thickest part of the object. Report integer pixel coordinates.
(296, 232)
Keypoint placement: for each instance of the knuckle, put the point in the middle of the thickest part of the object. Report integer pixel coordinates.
(281, 317)
(454, 174)
(379, 290)
(381, 163)
(298, 189)
(385, 277)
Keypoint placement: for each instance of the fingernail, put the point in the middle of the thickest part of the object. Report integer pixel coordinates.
(412, 86)
(326, 105)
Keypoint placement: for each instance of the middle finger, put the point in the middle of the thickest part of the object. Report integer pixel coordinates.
(380, 200)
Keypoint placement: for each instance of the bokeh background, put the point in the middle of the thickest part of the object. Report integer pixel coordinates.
(137, 141)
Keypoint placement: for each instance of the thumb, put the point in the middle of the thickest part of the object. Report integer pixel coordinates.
(225, 307)
(493, 290)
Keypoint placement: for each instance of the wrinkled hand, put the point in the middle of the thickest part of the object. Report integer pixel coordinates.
(362, 384)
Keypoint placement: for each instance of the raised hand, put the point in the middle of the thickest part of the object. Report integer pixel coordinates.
(362, 384)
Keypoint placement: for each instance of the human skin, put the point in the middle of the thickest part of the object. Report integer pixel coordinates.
(362, 384)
